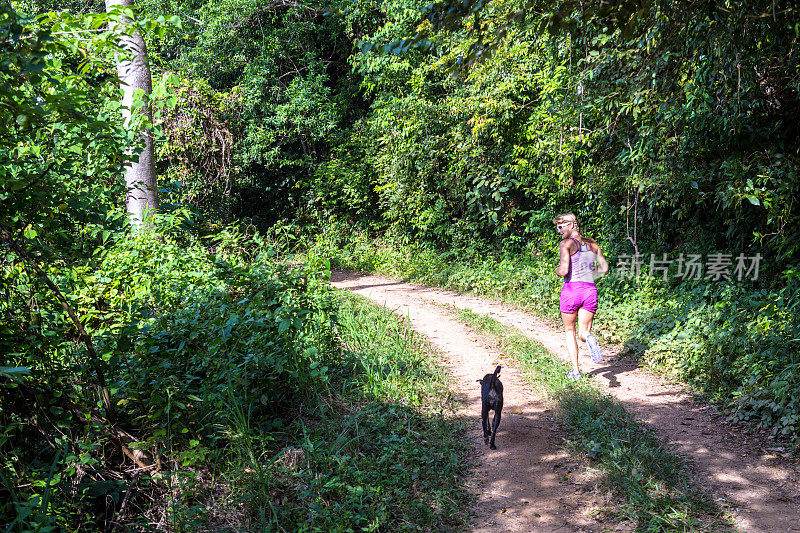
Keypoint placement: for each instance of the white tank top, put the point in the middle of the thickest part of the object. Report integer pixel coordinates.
(581, 264)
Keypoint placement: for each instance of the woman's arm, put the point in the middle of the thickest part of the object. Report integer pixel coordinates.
(563, 258)
(602, 264)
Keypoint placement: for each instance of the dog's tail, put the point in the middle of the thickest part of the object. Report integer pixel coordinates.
(494, 377)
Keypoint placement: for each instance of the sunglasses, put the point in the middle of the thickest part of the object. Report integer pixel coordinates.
(562, 226)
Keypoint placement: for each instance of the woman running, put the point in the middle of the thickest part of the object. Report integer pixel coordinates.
(580, 261)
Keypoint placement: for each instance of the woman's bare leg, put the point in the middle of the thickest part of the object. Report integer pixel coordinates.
(569, 337)
(584, 323)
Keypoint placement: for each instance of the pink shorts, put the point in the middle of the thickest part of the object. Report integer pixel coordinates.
(578, 294)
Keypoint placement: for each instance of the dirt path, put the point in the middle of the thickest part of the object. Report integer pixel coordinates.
(527, 484)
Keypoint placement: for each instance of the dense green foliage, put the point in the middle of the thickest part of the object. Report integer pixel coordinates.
(182, 374)
(645, 115)
(213, 351)
(57, 127)
(179, 329)
(281, 70)
(433, 142)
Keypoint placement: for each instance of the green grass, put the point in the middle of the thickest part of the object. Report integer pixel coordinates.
(387, 360)
(380, 451)
(651, 484)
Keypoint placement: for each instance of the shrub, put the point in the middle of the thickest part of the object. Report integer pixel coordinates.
(179, 324)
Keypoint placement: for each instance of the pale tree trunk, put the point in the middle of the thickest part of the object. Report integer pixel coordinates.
(134, 74)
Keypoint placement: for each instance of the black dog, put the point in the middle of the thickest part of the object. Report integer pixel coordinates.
(491, 400)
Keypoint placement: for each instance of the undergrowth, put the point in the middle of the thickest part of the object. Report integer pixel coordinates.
(379, 451)
(242, 394)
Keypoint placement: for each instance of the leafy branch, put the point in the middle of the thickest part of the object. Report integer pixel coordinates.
(94, 359)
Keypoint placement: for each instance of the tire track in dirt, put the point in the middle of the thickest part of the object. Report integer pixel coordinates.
(761, 490)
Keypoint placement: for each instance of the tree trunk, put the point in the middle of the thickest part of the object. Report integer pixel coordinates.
(134, 74)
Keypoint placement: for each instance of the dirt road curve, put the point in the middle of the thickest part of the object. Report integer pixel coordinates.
(527, 484)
